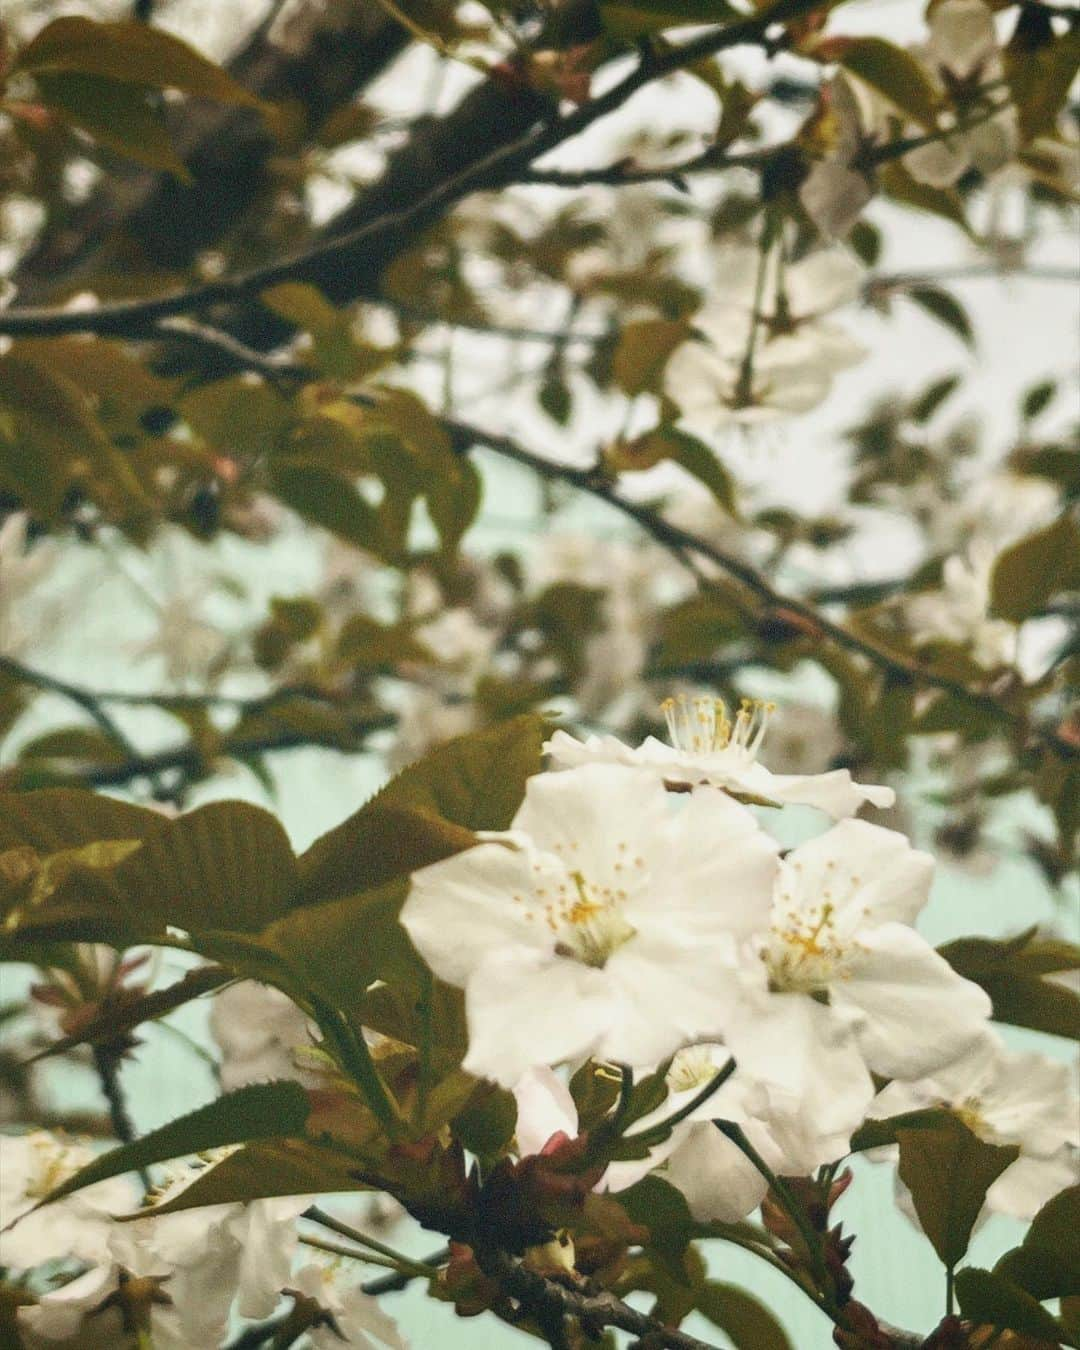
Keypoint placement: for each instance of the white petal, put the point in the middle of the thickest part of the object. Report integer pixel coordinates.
(717, 1180)
(916, 1013)
(816, 1080)
(834, 196)
(824, 281)
(834, 792)
(461, 910)
(526, 1009)
(864, 869)
(1025, 1186)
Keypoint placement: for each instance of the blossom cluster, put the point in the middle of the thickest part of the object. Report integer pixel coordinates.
(638, 913)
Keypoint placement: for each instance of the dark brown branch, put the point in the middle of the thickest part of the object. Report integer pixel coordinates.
(346, 265)
(228, 151)
(545, 1299)
(188, 758)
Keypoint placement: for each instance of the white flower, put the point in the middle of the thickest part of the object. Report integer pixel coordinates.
(837, 189)
(358, 1320)
(258, 1030)
(709, 747)
(842, 983)
(33, 1165)
(959, 611)
(78, 1316)
(1004, 1098)
(601, 924)
(191, 648)
(22, 568)
(963, 47)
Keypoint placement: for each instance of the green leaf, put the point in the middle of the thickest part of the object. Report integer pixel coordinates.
(948, 1171)
(1047, 1262)
(330, 500)
(642, 352)
(262, 1171)
(120, 117)
(989, 1299)
(236, 417)
(476, 781)
(129, 52)
(747, 1323)
(1040, 67)
(892, 72)
(902, 187)
(946, 309)
(227, 866)
(261, 1111)
(1037, 568)
(1012, 972)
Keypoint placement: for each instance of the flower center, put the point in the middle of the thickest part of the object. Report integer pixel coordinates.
(691, 1068)
(701, 726)
(805, 953)
(588, 922)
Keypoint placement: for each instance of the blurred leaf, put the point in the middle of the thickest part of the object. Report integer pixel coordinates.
(335, 352)
(128, 52)
(642, 352)
(1040, 67)
(948, 1171)
(1037, 399)
(238, 417)
(908, 191)
(932, 397)
(1040, 566)
(121, 117)
(116, 1019)
(666, 442)
(989, 1299)
(892, 72)
(945, 308)
(330, 500)
(742, 1318)
(1011, 970)
(50, 441)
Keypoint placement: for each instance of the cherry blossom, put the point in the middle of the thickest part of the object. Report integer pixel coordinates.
(710, 746)
(598, 925)
(841, 984)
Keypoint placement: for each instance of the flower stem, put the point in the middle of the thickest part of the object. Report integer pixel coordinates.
(664, 1127)
(391, 1257)
(355, 1059)
(795, 1211)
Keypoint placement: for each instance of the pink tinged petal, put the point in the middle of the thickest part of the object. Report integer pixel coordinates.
(869, 874)
(717, 1180)
(526, 1009)
(544, 1107)
(462, 910)
(913, 1013)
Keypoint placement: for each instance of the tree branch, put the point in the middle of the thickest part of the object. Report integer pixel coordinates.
(337, 263)
(542, 1298)
(600, 486)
